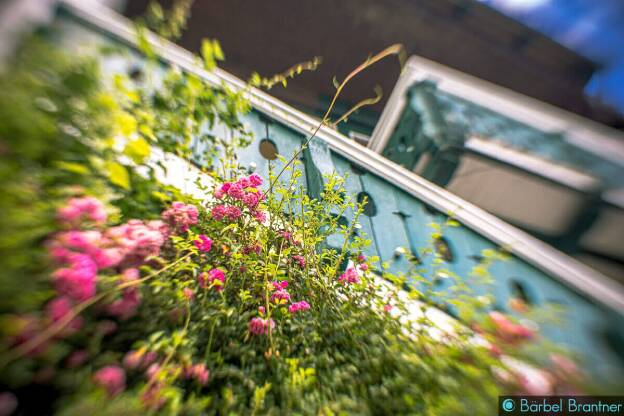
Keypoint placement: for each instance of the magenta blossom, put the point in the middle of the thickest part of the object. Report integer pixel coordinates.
(199, 372)
(361, 258)
(78, 279)
(250, 200)
(282, 284)
(260, 326)
(215, 277)
(349, 276)
(188, 293)
(280, 296)
(300, 260)
(221, 191)
(236, 191)
(112, 378)
(81, 209)
(363, 267)
(255, 180)
(260, 216)
(298, 306)
(203, 243)
(180, 216)
(58, 308)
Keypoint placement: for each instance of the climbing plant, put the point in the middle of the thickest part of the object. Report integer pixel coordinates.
(124, 296)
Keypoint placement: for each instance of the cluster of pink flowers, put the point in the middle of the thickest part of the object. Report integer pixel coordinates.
(245, 191)
(349, 276)
(300, 260)
(112, 378)
(261, 326)
(198, 372)
(361, 259)
(299, 306)
(203, 243)
(78, 210)
(180, 216)
(127, 305)
(58, 308)
(214, 277)
(230, 212)
(280, 296)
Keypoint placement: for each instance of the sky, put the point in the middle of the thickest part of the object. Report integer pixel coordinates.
(593, 28)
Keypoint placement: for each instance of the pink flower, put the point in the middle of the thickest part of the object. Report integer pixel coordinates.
(233, 213)
(203, 244)
(250, 200)
(534, 382)
(280, 296)
(199, 372)
(261, 310)
(112, 378)
(78, 280)
(221, 191)
(298, 306)
(299, 259)
(218, 212)
(81, 209)
(260, 326)
(255, 180)
(387, 308)
(507, 330)
(260, 216)
(243, 183)
(188, 293)
(60, 307)
(127, 306)
(180, 216)
(361, 258)
(77, 358)
(349, 276)
(236, 191)
(283, 284)
(215, 277)
(363, 267)
(152, 370)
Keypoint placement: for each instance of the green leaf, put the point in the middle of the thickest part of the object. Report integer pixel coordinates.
(138, 150)
(118, 174)
(73, 167)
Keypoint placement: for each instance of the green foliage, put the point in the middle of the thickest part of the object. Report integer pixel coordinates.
(65, 134)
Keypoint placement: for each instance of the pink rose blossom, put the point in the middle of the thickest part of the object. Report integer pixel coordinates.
(218, 212)
(188, 293)
(280, 296)
(199, 372)
(215, 277)
(180, 216)
(255, 180)
(299, 306)
(244, 183)
(250, 200)
(282, 284)
(349, 276)
(60, 307)
(363, 267)
(260, 216)
(361, 258)
(300, 260)
(387, 308)
(78, 210)
(112, 378)
(203, 243)
(78, 279)
(233, 213)
(236, 192)
(260, 326)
